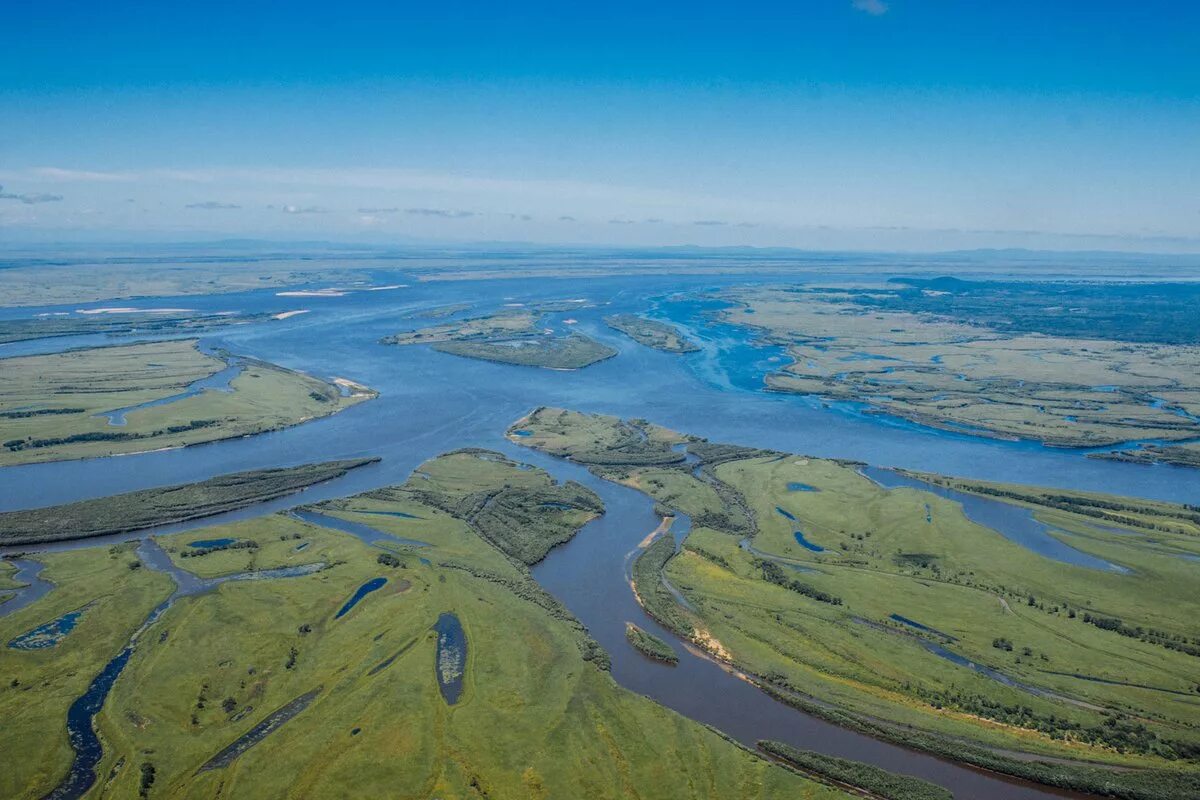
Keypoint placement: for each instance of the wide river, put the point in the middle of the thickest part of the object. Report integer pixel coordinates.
(432, 402)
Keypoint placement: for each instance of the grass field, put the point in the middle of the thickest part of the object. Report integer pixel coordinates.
(960, 376)
(147, 508)
(535, 720)
(900, 576)
(52, 406)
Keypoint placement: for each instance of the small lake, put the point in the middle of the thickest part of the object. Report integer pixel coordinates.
(451, 660)
(207, 543)
(816, 548)
(47, 634)
(372, 585)
(801, 487)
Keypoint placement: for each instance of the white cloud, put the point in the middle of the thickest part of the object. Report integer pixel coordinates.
(875, 8)
(81, 175)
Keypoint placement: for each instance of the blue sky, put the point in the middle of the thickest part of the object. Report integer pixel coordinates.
(845, 124)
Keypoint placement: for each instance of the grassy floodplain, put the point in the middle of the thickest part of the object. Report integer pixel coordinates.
(52, 407)
(1025, 380)
(534, 720)
(902, 575)
(148, 508)
(651, 333)
(511, 336)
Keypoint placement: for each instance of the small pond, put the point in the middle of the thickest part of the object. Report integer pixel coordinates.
(451, 664)
(370, 586)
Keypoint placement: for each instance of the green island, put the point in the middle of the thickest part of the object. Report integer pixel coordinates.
(148, 508)
(913, 623)
(294, 686)
(120, 321)
(132, 398)
(650, 645)
(980, 367)
(652, 333)
(511, 336)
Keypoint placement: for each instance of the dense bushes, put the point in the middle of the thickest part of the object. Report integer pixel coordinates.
(878, 782)
(774, 573)
(649, 644)
(105, 436)
(1172, 641)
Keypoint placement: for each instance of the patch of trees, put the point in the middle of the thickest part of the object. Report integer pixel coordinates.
(879, 782)
(104, 436)
(922, 560)
(1171, 641)
(650, 645)
(719, 560)
(39, 412)
(775, 574)
(389, 560)
(523, 523)
(147, 779)
(1115, 732)
(1086, 506)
